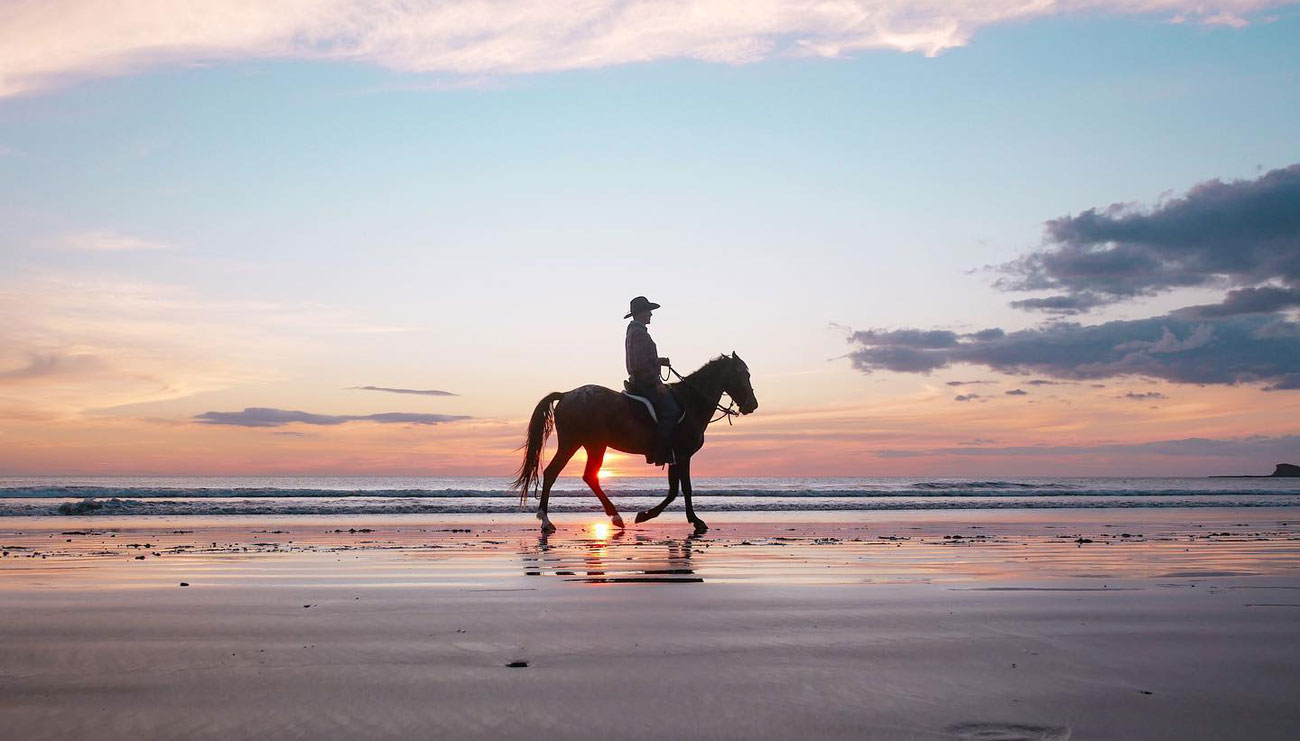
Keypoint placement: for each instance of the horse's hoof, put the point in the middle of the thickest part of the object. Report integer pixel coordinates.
(547, 528)
(642, 517)
(700, 527)
(618, 521)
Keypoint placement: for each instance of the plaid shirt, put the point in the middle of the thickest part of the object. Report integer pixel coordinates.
(642, 355)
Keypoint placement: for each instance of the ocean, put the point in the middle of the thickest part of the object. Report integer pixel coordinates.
(178, 496)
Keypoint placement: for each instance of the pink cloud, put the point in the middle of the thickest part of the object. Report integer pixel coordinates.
(47, 42)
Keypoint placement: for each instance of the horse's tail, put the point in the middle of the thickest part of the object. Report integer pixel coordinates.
(539, 428)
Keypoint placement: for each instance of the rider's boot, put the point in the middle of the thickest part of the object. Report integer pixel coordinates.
(663, 453)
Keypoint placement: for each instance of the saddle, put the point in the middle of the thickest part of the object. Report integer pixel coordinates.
(628, 391)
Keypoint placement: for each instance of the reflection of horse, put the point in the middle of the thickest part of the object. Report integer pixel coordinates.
(606, 560)
(596, 418)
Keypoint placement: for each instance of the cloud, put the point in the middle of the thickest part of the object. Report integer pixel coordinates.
(966, 397)
(108, 241)
(1227, 350)
(1144, 395)
(45, 43)
(1016, 392)
(268, 417)
(1071, 304)
(1261, 300)
(420, 392)
(42, 365)
(1243, 234)
(72, 345)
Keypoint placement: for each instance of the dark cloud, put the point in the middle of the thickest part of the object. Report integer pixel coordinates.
(966, 397)
(1076, 304)
(1242, 234)
(420, 392)
(1289, 382)
(1144, 395)
(910, 338)
(267, 417)
(1045, 382)
(967, 383)
(1016, 392)
(1227, 350)
(1261, 300)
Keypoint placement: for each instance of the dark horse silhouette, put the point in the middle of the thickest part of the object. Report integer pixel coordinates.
(596, 418)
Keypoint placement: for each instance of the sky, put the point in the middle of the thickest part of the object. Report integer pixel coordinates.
(977, 239)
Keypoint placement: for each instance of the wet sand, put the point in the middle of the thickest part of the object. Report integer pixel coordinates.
(1044, 624)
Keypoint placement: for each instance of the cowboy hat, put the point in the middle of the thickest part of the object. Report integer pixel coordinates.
(640, 304)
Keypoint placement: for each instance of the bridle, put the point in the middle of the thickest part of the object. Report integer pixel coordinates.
(729, 411)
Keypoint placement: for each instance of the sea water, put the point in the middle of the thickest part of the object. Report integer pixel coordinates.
(154, 495)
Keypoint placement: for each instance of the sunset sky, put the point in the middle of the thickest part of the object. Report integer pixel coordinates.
(977, 239)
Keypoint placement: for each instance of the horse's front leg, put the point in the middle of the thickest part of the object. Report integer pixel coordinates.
(684, 465)
(654, 511)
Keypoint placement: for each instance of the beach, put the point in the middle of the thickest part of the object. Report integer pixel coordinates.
(942, 361)
(1039, 624)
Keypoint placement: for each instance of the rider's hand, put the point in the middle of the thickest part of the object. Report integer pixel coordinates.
(664, 361)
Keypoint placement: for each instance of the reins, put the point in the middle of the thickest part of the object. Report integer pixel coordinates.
(729, 411)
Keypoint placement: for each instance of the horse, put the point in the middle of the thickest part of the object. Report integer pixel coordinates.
(595, 418)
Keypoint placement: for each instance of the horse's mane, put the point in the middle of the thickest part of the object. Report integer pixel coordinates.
(709, 368)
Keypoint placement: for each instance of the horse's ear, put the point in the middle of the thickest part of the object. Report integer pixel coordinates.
(733, 355)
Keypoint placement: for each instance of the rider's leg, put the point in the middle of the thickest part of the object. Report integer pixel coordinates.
(668, 412)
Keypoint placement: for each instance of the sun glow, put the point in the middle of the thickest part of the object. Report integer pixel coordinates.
(600, 530)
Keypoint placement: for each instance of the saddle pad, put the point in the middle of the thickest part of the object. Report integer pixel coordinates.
(650, 407)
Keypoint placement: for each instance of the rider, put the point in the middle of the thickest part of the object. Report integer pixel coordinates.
(643, 364)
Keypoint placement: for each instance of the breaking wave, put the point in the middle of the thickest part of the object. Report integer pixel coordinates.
(188, 497)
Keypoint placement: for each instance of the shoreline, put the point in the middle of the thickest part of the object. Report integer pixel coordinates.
(1045, 624)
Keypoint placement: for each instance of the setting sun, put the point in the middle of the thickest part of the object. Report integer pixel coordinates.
(600, 530)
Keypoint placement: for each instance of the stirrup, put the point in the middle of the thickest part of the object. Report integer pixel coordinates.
(672, 459)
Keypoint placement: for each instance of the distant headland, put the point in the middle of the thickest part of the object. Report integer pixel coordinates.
(1283, 470)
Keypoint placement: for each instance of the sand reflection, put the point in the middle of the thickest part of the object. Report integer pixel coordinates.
(617, 558)
(959, 550)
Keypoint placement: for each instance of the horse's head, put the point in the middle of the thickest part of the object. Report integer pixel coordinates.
(736, 384)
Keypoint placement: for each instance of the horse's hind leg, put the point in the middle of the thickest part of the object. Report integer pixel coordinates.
(654, 511)
(596, 456)
(552, 472)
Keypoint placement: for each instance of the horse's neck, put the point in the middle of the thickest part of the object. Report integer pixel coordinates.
(705, 390)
